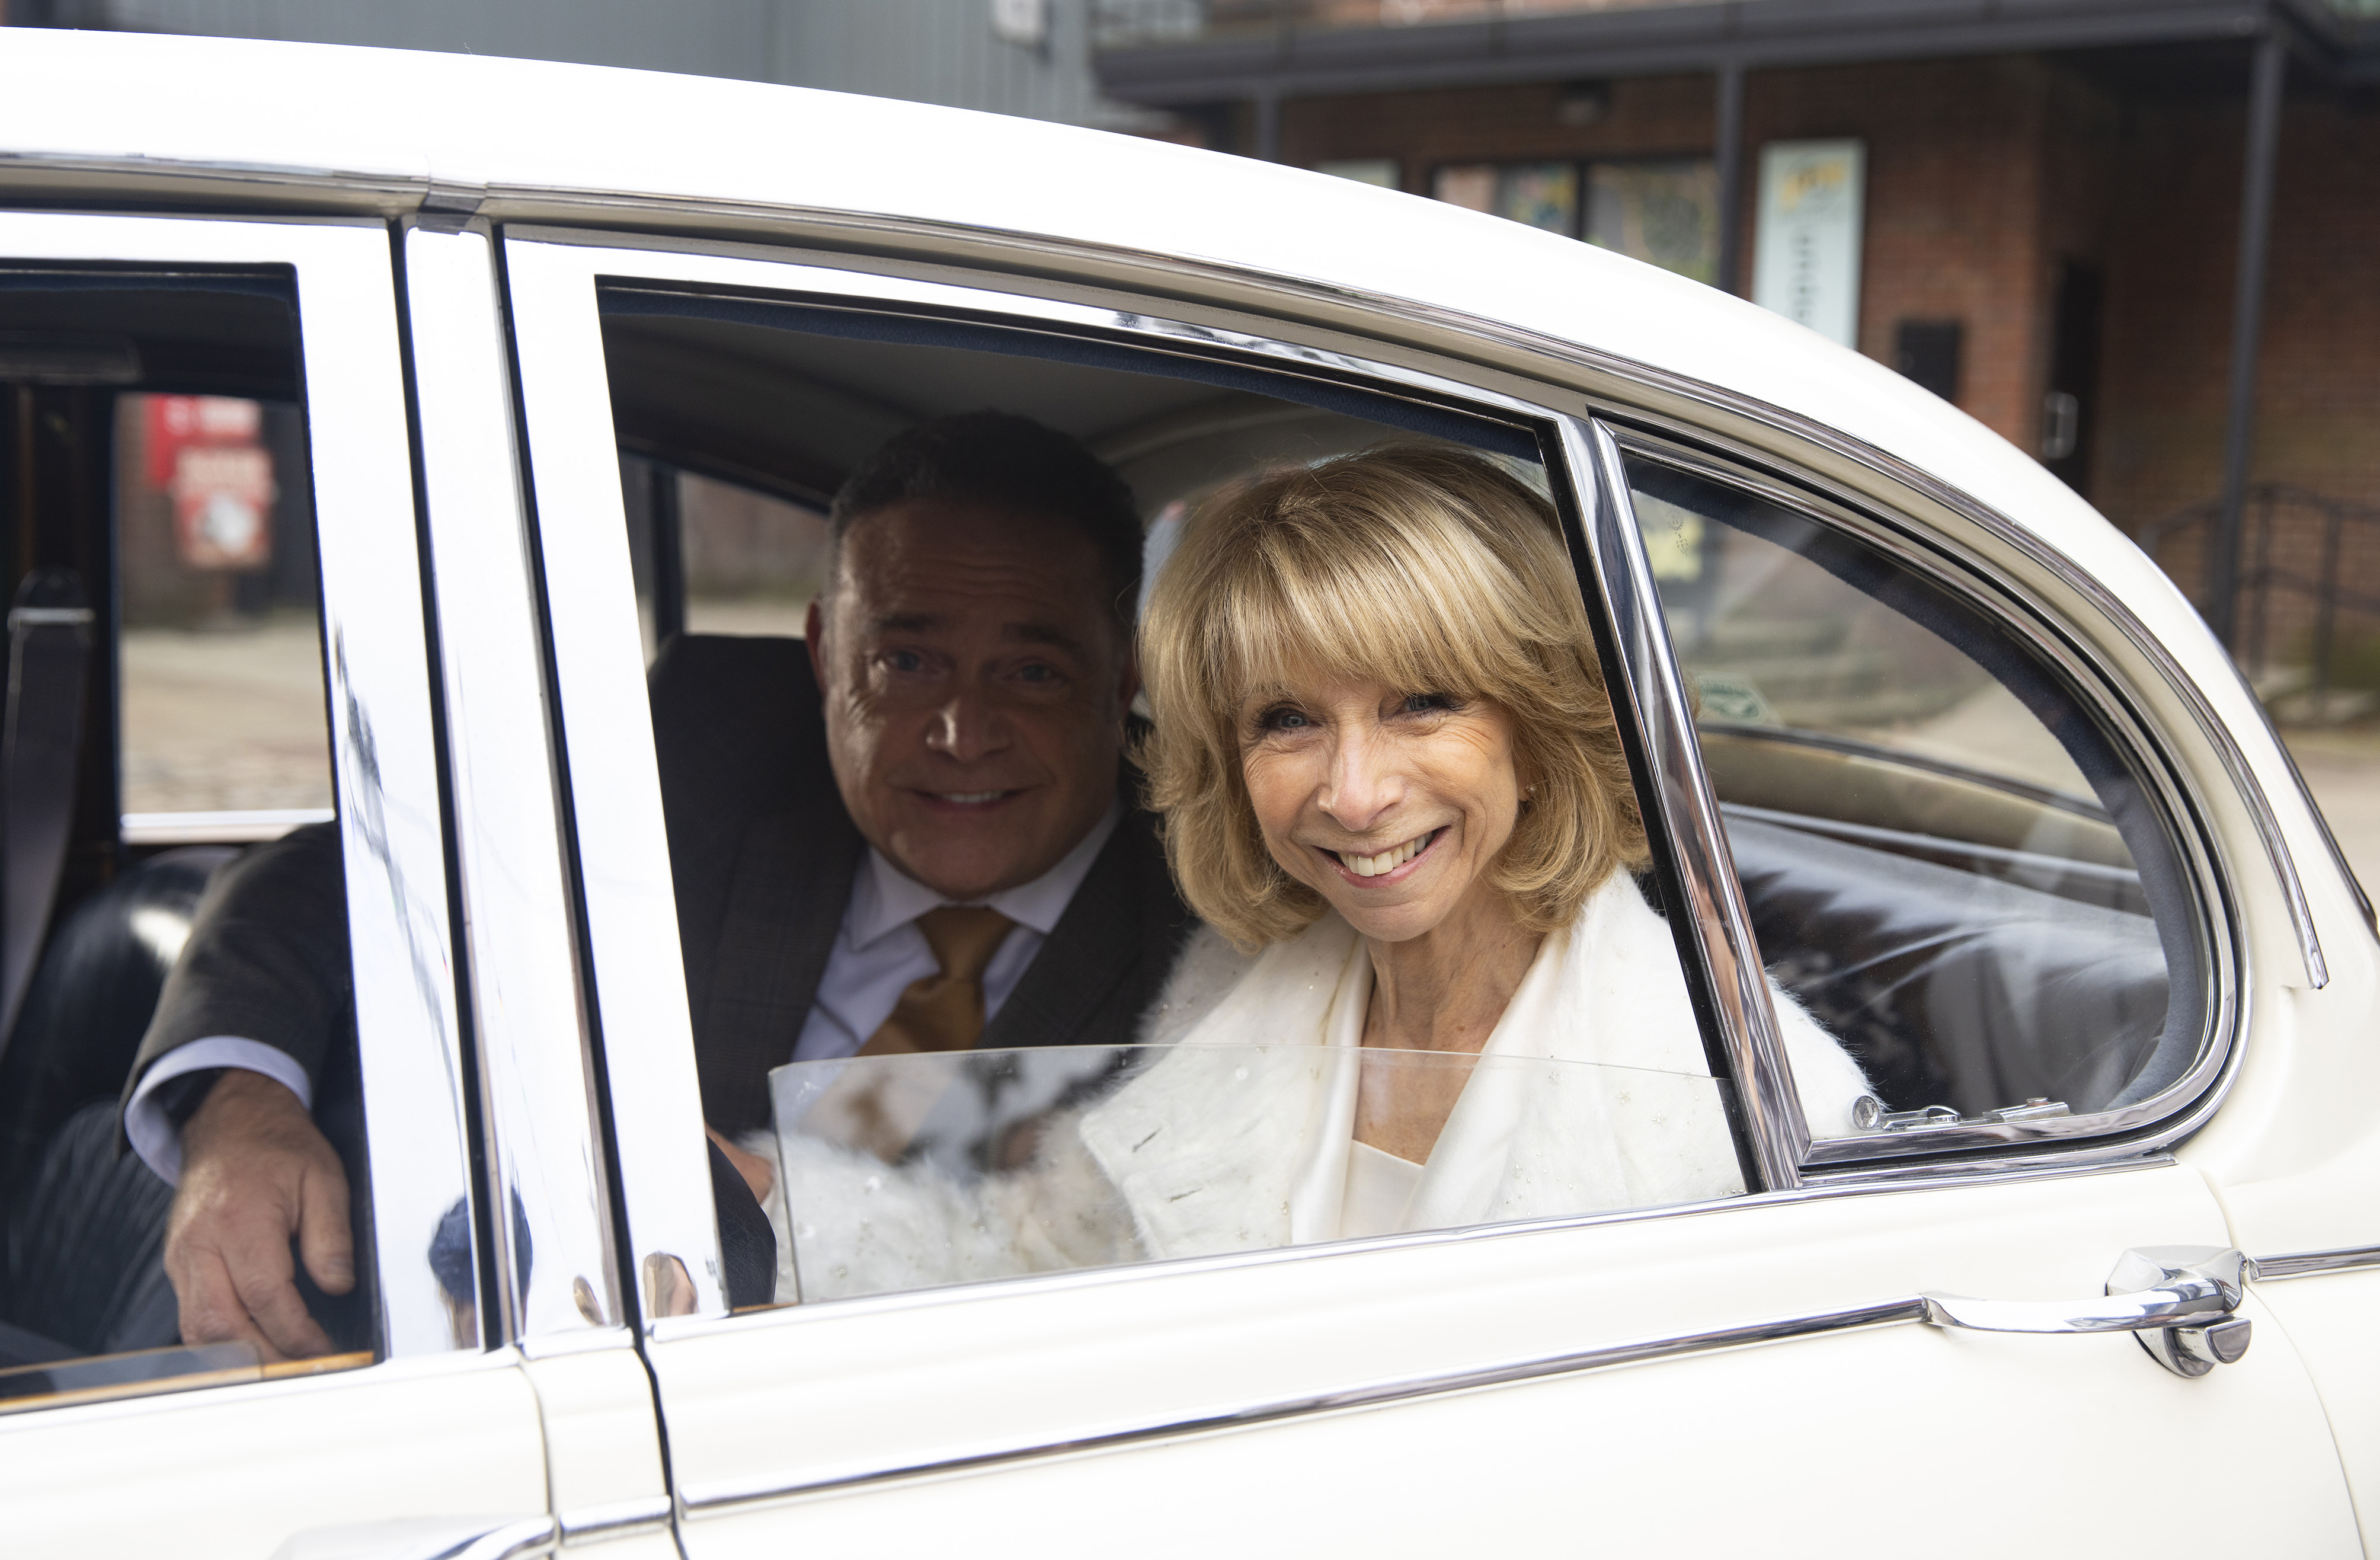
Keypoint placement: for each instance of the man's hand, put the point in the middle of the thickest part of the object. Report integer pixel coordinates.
(254, 1171)
(758, 1173)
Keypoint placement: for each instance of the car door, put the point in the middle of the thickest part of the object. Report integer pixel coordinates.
(213, 1450)
(1673, 1380)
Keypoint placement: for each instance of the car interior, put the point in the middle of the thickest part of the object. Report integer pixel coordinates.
(1990, 941)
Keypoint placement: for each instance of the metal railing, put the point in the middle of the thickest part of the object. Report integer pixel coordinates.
(2273, 509)
(1117, 24)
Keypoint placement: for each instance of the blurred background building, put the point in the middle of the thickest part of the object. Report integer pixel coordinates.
(2136, 237)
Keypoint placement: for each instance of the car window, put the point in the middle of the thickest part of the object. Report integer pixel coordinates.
(932, 1052)
(1948, 862)
(168, 656)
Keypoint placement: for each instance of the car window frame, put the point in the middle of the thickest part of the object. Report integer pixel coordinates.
(382, 726)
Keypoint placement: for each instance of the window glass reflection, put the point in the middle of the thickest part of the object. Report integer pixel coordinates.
(905, 1171)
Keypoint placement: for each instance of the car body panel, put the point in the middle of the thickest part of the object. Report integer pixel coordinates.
(825, 1393)
(236, 1471)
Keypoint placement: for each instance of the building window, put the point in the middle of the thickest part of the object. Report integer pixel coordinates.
(1662, 209)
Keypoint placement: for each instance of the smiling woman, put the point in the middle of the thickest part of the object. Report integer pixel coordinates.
(1383, 741)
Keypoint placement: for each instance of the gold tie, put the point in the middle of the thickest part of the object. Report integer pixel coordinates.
(944, 1011)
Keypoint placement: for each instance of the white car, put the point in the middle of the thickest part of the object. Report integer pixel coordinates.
(1917, 731)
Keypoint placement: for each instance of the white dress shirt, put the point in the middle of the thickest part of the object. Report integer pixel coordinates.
(877, 953)
(879, 950)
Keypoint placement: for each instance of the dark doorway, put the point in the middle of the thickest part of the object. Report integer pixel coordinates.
(1927, 351)
(2070, 411)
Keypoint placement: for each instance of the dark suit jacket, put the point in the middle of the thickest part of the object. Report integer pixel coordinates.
(1102, 966)
(763, 855)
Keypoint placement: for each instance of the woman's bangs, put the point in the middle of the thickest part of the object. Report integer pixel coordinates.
(1298, 618)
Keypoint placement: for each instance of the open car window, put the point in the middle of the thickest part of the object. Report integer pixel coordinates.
(1947, 861)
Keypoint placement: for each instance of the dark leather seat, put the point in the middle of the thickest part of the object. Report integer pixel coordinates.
(736, 736)
(85, 1224)
(92, 995)
(1952, 988)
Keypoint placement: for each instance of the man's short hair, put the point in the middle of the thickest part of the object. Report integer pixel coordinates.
(1004, 461)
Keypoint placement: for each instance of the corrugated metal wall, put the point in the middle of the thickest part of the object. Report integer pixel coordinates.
(925, 51)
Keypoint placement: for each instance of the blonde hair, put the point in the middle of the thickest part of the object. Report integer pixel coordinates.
(1422, 566)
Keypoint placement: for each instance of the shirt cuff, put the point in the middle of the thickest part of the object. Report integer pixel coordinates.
(156, 1137)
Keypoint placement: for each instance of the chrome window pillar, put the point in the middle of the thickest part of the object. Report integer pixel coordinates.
(1717, 921)
(383, 756)
(638, 979)
(549, 1212)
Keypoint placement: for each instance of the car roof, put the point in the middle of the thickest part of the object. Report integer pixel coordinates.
(408, 120)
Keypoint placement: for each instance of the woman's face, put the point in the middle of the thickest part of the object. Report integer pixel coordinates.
(1390, 802)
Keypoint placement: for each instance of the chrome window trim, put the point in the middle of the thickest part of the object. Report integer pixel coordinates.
(2223, 967)
(1714, 913)
(2309, 1264)
(1949, 1176)
(538, 1101)
(698, 1501)
(377, 681)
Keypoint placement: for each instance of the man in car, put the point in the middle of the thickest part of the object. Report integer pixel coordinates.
(967, 870)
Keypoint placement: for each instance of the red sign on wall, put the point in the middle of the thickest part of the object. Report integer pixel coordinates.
(222, 507)
(204, 450)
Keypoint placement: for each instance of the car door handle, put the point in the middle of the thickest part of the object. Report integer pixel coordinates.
(2179, 1300)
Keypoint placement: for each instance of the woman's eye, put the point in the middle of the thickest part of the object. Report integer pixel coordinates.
(1421, 703)
(1283, 720)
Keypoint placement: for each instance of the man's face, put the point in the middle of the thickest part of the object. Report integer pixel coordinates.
(974, 690)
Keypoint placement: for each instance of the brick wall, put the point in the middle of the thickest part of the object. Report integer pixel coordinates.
(1983, 174)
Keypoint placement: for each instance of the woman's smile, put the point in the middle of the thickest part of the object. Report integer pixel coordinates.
(1393, 805)
(1387, 866)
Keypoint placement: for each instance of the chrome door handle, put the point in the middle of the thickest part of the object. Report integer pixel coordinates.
(2177, 1301)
